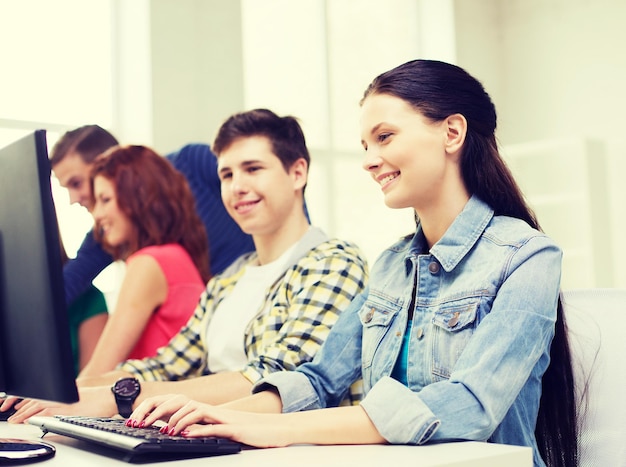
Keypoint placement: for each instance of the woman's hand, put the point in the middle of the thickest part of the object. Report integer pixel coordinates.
(156, 408)
(189, 418)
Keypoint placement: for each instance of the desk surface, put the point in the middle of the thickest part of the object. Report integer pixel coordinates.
(464, 454)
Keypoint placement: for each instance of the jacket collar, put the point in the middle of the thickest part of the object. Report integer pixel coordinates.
(460, 237)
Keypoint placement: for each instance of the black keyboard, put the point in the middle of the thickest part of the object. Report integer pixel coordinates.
(137, 444)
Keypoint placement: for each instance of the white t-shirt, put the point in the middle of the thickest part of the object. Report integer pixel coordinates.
(226, 330)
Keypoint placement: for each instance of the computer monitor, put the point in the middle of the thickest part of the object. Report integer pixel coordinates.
(35, 351)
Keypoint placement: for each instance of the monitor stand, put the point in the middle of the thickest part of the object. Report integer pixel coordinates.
(23, 451)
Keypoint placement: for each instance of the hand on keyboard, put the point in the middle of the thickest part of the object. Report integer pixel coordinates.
(135, 442)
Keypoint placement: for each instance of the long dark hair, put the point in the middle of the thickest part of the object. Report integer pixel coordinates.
(437, 90)
(157, 200)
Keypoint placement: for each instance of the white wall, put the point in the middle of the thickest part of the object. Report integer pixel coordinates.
(555, 70)
(553, 67)
(179, 71)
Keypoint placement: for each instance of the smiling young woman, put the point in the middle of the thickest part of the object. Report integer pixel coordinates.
(145, 215)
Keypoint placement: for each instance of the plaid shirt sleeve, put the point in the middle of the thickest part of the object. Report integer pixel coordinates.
(303, 306)
(183, 357)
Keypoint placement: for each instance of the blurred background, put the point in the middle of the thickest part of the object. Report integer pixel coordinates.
(165, 73)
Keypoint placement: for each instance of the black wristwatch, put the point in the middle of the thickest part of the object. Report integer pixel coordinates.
(126, 391)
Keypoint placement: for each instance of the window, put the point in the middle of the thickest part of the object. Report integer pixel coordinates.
(57, 74)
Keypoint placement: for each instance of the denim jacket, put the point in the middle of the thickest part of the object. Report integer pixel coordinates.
(483, 320)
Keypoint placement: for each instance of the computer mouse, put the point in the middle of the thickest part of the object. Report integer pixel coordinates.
(6, 414)
(22, 451)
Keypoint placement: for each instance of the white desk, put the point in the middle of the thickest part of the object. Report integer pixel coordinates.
(467, 454)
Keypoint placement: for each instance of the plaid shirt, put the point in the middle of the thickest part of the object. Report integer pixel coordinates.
(298, 311)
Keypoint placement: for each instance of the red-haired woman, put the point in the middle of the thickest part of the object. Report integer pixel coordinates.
(145, 215)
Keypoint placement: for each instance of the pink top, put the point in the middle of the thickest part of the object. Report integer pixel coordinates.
(184, 287)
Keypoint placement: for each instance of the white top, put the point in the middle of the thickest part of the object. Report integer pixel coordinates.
(226, 330)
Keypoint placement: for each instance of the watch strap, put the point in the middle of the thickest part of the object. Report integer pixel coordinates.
(124, 406)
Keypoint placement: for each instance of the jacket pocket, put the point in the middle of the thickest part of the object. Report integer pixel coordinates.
(376, 316)
(453, 326)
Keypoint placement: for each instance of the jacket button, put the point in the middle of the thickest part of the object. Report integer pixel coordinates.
(369, 315)
(433, 267)
(454, 320)
(419, 333)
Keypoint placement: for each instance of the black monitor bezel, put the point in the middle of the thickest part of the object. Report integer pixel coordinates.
(35, 351)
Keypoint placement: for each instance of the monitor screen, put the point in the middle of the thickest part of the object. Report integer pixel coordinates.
(35, 350)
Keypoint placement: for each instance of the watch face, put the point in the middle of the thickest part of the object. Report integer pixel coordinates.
(127, 387)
